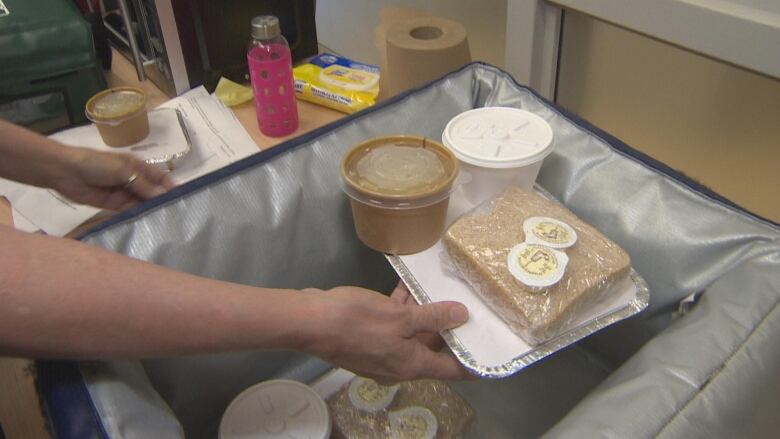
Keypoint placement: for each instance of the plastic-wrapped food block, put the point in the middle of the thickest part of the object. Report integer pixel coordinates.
(422, 409)
(534, 262)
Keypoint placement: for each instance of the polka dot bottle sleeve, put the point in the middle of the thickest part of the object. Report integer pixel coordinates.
(270, 70)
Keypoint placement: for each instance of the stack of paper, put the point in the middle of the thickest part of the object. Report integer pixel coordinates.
(218, 139)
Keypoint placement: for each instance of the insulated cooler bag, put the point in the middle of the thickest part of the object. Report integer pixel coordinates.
(701, 361)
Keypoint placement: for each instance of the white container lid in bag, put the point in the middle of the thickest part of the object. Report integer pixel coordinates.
(276, 409)
(497, 147)
(498, 137)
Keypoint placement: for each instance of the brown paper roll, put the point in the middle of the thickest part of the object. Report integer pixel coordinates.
(420, 50)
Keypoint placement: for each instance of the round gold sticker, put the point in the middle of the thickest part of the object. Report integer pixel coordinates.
(368, 395)
(551, 232)
(371, 392)
(415, 422)
(413, 427)
(538, 260)
(536, 265)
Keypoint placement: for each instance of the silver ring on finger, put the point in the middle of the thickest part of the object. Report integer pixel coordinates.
(131, 180)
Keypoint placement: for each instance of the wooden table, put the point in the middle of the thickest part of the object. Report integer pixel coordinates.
(20, 413)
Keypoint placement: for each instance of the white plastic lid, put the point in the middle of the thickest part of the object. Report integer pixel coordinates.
(275, 409)
(498, 137)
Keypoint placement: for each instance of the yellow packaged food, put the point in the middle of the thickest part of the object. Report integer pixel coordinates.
(232, 93)
(337, 82)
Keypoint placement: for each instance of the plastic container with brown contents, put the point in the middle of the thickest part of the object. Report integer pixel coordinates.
(120, 115)
(399, 188)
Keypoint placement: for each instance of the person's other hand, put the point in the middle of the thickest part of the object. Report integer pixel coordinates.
(384, 338)
(108, 180)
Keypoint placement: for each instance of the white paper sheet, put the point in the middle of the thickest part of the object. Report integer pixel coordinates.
(22, 223)
(12, 191)
(218, 139)
(330, 383)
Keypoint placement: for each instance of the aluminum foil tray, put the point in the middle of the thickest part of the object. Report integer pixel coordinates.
(634, 288)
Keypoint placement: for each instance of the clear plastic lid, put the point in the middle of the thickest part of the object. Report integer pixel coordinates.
(274, 409)
(115, 104)
(399, 172)
(498, 137)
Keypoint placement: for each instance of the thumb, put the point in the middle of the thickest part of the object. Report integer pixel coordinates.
(436, 317)
(147, 180)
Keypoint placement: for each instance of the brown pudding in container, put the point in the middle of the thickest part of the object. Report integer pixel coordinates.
(399, 189)
(120, 115)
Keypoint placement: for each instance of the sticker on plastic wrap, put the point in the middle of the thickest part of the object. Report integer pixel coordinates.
(549, 232)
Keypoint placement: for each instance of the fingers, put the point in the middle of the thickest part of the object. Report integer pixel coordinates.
(434, 342)
(436, 317)
(400, 294)
(158, 176)
(147, 181)
(443, 366)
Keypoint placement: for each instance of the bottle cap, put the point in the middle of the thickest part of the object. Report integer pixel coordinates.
(265, 27)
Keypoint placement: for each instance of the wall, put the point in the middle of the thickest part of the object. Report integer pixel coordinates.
(717, 123)
(347, 26)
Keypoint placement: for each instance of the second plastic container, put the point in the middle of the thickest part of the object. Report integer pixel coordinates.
(497, 147)
(399, 189)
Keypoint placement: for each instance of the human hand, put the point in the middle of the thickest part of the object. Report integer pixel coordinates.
(431, 339)
(109, 180)
(385, 338)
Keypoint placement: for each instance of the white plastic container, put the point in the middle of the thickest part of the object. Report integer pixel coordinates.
(276, 409)
(497, 147)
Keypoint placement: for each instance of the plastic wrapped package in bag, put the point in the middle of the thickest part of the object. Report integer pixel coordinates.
(413, 409)
(534, 262)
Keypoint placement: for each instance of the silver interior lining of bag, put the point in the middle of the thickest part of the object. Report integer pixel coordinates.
(285, 223)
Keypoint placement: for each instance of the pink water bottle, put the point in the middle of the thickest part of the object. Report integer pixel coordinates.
(270, 69)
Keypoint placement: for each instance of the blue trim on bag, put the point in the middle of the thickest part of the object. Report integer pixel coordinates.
(284, 147)
(69, 407)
